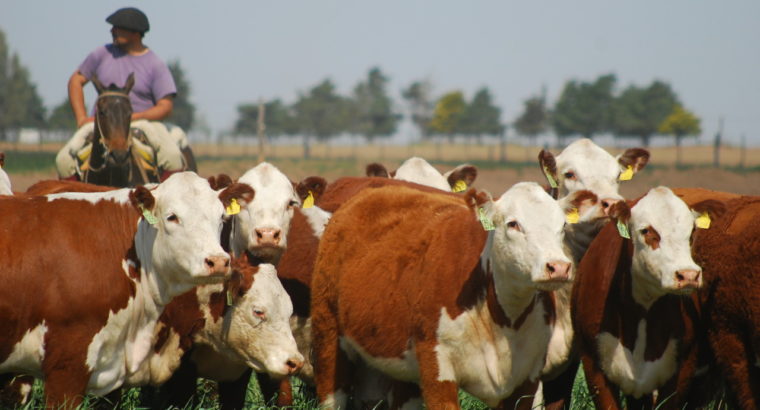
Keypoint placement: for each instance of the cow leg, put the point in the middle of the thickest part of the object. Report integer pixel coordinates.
(645, 402)
(732, 357)
(438, 395)
(65, 388)
(332, 368)
(557, 391)
(601, 390)
(522, 397)
(405, 396)
(179, 390)
(15, 391)
(232, 394)
(674, 394)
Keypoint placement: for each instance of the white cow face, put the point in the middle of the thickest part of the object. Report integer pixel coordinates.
(262, 229)
(260, 329)
(419, 171)
(528, 236)
(661, 226)
(183, 241)
(583, 165)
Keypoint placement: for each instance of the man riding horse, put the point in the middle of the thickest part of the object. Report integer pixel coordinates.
(151, 97)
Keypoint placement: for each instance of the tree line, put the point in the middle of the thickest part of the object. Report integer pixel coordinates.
(583, 108)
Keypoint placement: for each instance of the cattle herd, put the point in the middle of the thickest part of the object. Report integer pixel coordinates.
(393, 290)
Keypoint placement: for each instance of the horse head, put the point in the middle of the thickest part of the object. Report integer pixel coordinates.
(111, 160)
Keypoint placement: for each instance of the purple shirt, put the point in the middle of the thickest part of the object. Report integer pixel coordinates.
(153, 80)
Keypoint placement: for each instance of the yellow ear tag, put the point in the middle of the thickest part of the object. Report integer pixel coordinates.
(627, 175)
(623, 229)
(703, 221)
(550, 178)
(573, 216)
(308, 202)
(148, 216)
(460, 186)
(233, 208)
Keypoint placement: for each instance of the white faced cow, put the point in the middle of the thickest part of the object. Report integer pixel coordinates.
(419, 171)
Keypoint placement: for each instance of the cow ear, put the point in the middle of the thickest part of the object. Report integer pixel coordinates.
(620, 211)
(96, 82)
(2, 160)
(314, 186)
(242, 194)
(462, 175)
(635, 158)
(707, 210)
(481, 203)
(220, 181)
(130, 83)
(576, 204)
(376, 170)
(142, 199)
(548, 165)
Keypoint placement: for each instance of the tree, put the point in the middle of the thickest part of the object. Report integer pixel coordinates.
(419, 98)
(372, 108)
(24, 106)
(321, 113)
(481, 116)
(183, 113)
(62, 117)
(448, 113)
(638, 112)
(584, 108)
(680, 123)
(534, 118)
(3, 86)
(279, 119)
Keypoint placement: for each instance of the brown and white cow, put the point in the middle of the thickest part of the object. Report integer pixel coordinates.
(419, 171)
(408, 283)
(5, 181)
(729, 254)
(634, 305)
(582, 165)
(80, 314)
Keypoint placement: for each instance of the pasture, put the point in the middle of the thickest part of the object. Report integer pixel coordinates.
(26, 165)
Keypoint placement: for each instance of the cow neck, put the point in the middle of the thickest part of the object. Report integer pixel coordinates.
(509, 299)
(663, 315)
(160, 291)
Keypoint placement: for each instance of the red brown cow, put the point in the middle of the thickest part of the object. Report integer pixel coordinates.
(729, 253)
(81, 314)
(407, 283)
(636, 324)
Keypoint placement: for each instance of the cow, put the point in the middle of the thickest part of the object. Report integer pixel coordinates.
(81, 314)
(5, 182)
(582, 165)
(634, 302)
(419, 171)
(56, 186)
(728, 253)
(411, 284)
(227, 328)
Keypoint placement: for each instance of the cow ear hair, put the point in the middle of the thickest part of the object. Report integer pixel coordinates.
(376, 170)
(636, 158)
(712, 207)
(242, 193)
(548, 165)
(465, 172)
(620, 211)
(313, 184)
(142, 199)
(220, 181)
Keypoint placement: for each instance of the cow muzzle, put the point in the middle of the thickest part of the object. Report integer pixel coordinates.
(217, 266)
(267, 236)
(606, 204)
(557, 271)
(687, 279)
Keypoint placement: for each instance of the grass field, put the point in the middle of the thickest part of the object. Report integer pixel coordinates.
(28, 164)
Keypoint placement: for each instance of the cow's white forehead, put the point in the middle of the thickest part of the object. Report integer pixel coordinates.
(664, 211)
(419, 171)
(185, 188)
(265, 175)
(583, 155)
(529, 203)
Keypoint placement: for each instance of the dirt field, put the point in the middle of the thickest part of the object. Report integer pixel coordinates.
(334, 162)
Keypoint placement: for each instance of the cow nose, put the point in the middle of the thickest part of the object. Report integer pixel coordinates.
(607, 204)
(218, 265)
(558, 270)
(688, 279)
(267, 236)
(293, 365)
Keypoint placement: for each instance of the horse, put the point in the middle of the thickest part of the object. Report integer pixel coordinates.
(114, 160)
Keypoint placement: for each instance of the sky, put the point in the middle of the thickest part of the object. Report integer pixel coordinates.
(236, 52)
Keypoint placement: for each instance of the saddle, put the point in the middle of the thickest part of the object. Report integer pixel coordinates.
(145, 152)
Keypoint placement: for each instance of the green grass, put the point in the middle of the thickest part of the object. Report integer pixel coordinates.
(28, 161)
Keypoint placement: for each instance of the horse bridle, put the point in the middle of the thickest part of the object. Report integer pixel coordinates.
(101, 139)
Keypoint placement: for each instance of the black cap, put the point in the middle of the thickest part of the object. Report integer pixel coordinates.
(130, 18)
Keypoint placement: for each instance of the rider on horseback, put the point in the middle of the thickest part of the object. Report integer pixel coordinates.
(151, 96)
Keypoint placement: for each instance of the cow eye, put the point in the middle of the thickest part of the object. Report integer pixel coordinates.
(293, 204)
(513, 225)
(569, 175)
(259, 313)
(173, 218)
(644, 231)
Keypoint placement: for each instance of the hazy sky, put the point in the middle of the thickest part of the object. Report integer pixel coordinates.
(240, 51)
